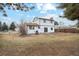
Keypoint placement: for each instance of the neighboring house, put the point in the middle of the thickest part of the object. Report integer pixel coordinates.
(40, 25)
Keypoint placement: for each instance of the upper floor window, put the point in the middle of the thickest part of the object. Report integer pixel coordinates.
(44, 21)
(51, 21)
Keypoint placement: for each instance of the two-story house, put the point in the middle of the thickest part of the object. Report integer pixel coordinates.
(40, 25)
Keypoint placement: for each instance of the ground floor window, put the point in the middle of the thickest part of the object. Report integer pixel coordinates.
(38, 27)
(31, 27)
(45, 29)
(51, 28)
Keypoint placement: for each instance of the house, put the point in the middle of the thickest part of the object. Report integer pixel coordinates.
(40, 25)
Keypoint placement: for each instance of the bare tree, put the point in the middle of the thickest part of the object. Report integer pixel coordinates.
(23, 28)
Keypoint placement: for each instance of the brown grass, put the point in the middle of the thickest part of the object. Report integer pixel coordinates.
(43, 44)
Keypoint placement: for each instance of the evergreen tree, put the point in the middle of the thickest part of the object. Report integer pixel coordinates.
(4, 27)
(71, 11)
(12, 26)
(0, 26)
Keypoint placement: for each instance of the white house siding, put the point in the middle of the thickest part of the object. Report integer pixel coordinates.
(42, 25)
(47, 24)
(41, 30)
(32, 31)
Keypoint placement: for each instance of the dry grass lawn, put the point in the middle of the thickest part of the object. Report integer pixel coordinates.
(40, 45)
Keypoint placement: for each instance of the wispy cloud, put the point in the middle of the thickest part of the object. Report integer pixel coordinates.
(65, 21)
(45, 7)
(41, 9)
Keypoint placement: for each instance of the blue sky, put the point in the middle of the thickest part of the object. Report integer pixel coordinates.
(41, 9)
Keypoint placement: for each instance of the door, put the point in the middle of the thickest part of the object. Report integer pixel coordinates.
(45, 29)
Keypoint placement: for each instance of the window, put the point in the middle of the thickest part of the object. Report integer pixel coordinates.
(38, 27)
(44, 21)
(51, 21)
(51, 28)
(31, 27)
(45, 29)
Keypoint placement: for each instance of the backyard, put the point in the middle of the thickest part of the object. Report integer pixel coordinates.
(53, 44)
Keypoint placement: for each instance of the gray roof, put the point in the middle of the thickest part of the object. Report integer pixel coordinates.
(42, 18)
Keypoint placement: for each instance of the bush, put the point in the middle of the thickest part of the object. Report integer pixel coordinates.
(70, 30)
